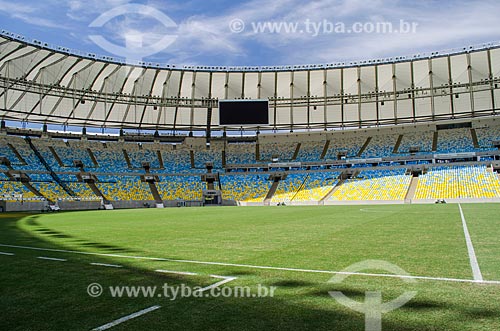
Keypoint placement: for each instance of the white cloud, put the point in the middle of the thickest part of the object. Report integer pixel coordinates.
(31, 13)
(39, 21)
(211, 36)
(15, 8)
(206, 38)
(441, 25)
(460, 25)
(88, 10)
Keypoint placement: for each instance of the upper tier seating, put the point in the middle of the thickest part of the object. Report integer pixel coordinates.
(455, 141)
(380, 146)
(310, 151)
(66, 154)
(32, 163)
(350, 145)
(138, 157)
(486, 137)
(284, 151)
(204, 156)
(178, 162)
(240, 153)
(422, 140)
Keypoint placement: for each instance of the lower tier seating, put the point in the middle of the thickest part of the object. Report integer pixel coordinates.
(10, 191)
(51, 191)
(251, 188)
(317, 186)
(374, 185)
(458, 182)
(181, 188)
(288, 188)
(438, 183)
(82, 190)
(126, 188)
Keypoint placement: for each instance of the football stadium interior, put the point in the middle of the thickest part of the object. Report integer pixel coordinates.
(372, 160)
(407, 130)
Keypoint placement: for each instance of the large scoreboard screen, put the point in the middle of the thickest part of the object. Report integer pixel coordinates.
(244, 112)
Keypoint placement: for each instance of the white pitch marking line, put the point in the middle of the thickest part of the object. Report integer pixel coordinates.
(476, 272)
(5, 253)
(185, 273)
(126, 318)
(456, 280)
(222, 282)
(51, 258)
(493, 282)
(106, 265)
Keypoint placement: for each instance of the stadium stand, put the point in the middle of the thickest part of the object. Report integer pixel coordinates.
(59, 156)
(252, 188)
(288, 188)
(487, 136)
(118, 165)
(20, 154)
(82, 190)
(204, 156)
(111, 159)
(380, 146)
(51, 191)
(241, 153)
(455, 141)
(458, 182)
(11, 191)
(181, 188)
(125, 188)
(284, 151)
(351, 146)
(317, 141)
(40, 177)
(317, 186)
(374, 185)
(145, 154)
(421, 140)
(310, 151)
(177, 161)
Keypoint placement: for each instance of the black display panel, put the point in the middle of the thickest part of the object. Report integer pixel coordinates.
(244, 112)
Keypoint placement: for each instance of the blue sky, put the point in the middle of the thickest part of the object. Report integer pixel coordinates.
(203, 35)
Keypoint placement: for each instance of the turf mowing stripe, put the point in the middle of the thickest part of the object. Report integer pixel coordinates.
(51, 258)
(126, 318)
(4, 253)
(107, 265)
(222, 282)
(185, 273)
(476, 272)
(458, 280)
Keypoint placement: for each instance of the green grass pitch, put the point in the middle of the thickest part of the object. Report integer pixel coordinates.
(424, 240)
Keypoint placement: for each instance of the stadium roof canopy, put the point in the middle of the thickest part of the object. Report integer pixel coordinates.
(54, 85)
